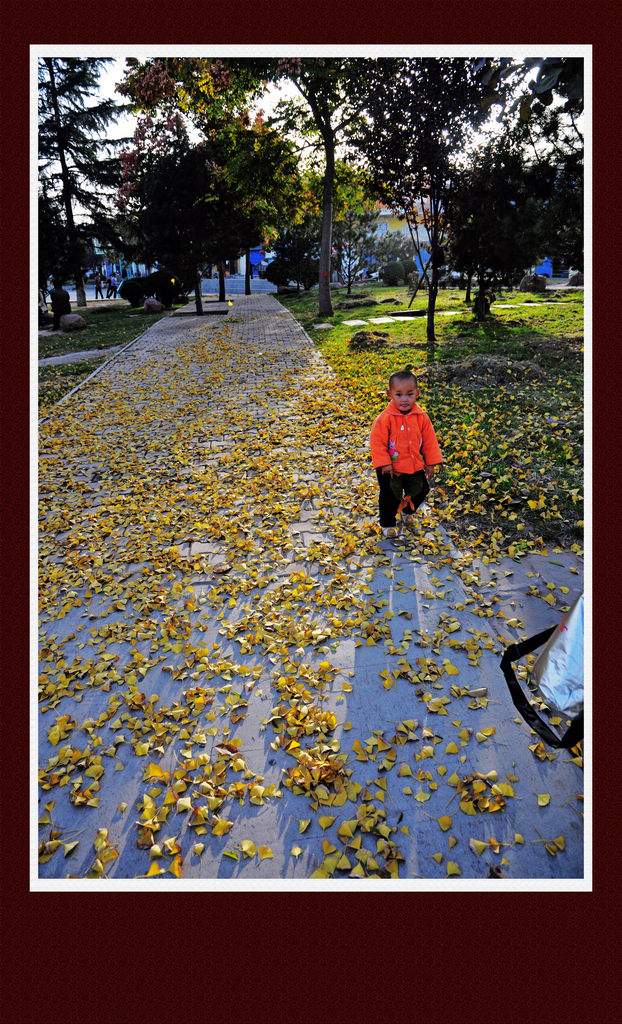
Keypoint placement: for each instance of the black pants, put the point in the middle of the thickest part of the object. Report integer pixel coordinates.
(414, 484)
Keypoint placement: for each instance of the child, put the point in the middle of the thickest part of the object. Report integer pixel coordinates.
(404, 452)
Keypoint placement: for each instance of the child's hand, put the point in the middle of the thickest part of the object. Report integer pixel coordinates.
(430, 471)
(388, 469)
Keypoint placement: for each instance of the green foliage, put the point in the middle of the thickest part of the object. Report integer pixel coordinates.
(164, 285)
(278, 272)
(393, 273)
(132, 289)
(296, 250)
(421, 112)
(394, 245)
(410, 267)
(77, 163)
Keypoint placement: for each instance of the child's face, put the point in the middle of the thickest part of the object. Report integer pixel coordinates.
(404, 394)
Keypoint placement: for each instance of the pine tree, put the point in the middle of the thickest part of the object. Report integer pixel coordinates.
(74, 167)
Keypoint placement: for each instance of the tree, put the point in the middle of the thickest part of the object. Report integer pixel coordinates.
(421, 112)
(549, 140)
(394, 245)
(296, 253)
(78, 175)
(557, 78)
(203, 87)
(497, 216)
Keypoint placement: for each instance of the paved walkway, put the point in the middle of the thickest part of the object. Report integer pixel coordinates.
(215, 596)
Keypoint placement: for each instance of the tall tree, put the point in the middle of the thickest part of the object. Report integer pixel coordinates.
(421, 112)
(201, 87)
(496, 216)
(190, 205)
(75, 157)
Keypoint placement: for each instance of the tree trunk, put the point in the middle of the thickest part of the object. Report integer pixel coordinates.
(481, 304)
(247, 273)
(197, 292)
(467, 297)
(325, 307)
(418, 286)
(221, 281)
(432, 293)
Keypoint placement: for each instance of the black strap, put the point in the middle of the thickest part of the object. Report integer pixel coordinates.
(574, 733)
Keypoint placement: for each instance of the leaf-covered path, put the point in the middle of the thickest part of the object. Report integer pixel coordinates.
(240, 680)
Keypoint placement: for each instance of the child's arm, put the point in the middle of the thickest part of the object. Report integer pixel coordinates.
(379, 443)
(429, 448)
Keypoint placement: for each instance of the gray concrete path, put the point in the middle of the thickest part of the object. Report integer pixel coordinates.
(241, 683)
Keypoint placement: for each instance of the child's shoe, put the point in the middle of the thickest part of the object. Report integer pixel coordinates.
(389, 531)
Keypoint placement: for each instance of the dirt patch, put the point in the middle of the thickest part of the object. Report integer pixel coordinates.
(483, 371)
(568, 347)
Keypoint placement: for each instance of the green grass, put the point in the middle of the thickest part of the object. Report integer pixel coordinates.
(106, 325)
(507, 441)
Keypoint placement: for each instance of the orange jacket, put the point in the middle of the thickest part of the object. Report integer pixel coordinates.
(410, 436)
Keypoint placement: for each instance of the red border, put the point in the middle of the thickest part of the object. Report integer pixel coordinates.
(292, 957)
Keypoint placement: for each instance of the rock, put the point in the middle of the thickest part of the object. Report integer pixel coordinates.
(533, 283)
(72, 322)
(152, 305)
(576, 280)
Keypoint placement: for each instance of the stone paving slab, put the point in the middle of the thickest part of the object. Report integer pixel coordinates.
(409, 589)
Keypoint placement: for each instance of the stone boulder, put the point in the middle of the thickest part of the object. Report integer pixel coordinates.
(576, 280)
(152, 305)
(72, 322)
(533, 283)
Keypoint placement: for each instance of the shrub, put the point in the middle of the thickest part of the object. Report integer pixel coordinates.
(365, 340)
(277, 272)
(132, 289)
(164, 285)
(410, 267)
(393, 273)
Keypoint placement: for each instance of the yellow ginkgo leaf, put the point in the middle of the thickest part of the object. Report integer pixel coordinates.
(264, 852)
(444, 822)
(296, 851)
(452, 868)
(247, 847)
(543, 799)
(325, 822)
(221, 826)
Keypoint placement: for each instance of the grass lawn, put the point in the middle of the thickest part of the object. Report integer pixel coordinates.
(505, 397)
(109, 324)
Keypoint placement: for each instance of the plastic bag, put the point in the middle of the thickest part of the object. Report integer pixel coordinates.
(558, 673)
(558, 670)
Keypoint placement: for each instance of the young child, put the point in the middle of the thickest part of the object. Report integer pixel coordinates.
(404, 452)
